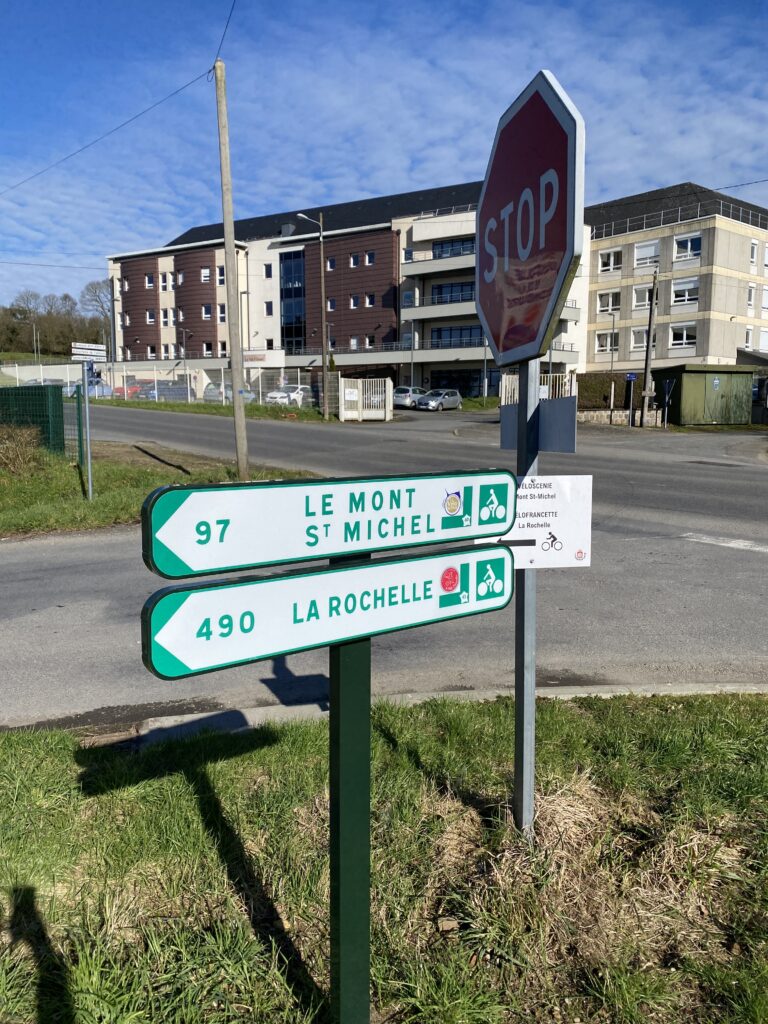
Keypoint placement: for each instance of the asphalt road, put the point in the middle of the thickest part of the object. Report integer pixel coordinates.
(675, 594)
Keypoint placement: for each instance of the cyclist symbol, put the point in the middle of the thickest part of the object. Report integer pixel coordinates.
(492, 509)
(552, 542)
(488, 583)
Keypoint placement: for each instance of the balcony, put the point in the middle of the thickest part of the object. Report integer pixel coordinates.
(418, 264)
(571, 311)
(393, 352)
(440, 306)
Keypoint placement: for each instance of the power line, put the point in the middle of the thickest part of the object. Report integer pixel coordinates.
(60, 266)
(742, 184)
(221, 42)
(112, 131)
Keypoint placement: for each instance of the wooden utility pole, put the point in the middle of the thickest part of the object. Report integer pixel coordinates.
(647, 379)
(230, 270)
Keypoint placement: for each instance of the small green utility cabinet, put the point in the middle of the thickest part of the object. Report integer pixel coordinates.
(702, 394)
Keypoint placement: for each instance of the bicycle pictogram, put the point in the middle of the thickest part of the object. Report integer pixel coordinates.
(492, 509)
(552, 542)
(489, 583)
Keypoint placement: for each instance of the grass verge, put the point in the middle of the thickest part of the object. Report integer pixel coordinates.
(49, 494)
(189, 883)
(253, 411)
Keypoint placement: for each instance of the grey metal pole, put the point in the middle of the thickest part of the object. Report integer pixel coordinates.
(647, 379)
(525, 609)
(413, 345)
(230, 265)
(88, 467)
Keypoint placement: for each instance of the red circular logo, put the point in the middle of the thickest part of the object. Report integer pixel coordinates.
(449, 580)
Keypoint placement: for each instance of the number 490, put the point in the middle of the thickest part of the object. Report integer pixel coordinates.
(226, 626)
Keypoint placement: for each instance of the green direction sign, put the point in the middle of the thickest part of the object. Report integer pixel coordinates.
(190, 531)
(189, 630)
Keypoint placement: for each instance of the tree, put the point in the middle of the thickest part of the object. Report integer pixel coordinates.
(95, 299)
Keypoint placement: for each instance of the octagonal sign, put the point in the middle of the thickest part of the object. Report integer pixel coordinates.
(530, 221)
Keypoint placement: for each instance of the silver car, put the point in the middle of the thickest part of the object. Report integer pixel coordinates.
(439, 399)
(406, 398)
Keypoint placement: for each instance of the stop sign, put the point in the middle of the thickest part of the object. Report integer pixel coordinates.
(530, 221)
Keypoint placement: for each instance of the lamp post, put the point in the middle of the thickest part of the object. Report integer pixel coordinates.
(184, 335)
(613, 386)
(323, 326)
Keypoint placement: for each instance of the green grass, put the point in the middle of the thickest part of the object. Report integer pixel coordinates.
(189, 883)
(479, 404)
(27, 357)
(253, 410)
(49, 495)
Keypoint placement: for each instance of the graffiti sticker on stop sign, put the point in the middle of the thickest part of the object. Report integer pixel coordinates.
(530, 220)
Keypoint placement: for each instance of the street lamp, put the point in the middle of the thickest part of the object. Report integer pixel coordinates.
(613, 386)
(323, 326)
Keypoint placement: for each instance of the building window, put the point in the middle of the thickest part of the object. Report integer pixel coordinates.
(270, 344)
(608, 302)
(642, 296)
(330, 305)
(205, 274)
(268, 308)
(354, 259)
(222, 349)
(753, 252)
(164, 317)
(165, 351)
(609, 260)
(685, 291)
(181, 315)
(332, 342)
(179, 277)
(687, 247)
(764, 339)
(683, 335)
(407, 255)
(647, 253)
(205, 311)
(354, 301)
(370, 258)
(354, 341)
(751, 296)
(640, 339)
(458, 291)
(292, 316)
(149, 280)
(370, 340)
(370, 300)
(765, 258)
(220, 275)
(126, 285)
(606, 341)
(151, 351)
(765, 301)
(122, 321)
(748, 338)
(150, 316)
(163, 282)
(330, 263)
(126, 354)
(408, 299)
(173, 316)
(171, 281)
(127, 319)
(267, 270)
(222, 313)
(456, 337)
(449, 247)
(207, 349)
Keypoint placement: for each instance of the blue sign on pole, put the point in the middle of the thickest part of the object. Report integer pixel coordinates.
(631, 376)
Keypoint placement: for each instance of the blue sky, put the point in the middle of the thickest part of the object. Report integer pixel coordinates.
(330, 102)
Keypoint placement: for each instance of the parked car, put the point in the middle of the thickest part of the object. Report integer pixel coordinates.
(99, 389)
(38, 381)
(438, 399)
(127, 391)
(291, 394)
(213, 393)
(406, 398)
(164, 391)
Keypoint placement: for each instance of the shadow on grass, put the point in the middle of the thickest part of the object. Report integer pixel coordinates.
(110, 768)
(491, 812)
(54, 1002)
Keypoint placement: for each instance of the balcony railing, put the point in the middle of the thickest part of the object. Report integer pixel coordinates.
(445, 211)
(695, 211)
(416, 256)
(389, 346)
(436, 300)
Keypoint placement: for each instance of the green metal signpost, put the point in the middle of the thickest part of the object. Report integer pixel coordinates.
(194, 628)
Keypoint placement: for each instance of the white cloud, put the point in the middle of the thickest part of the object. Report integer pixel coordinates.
(336, 105)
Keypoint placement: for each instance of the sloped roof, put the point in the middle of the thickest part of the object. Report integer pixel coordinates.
(685, 195)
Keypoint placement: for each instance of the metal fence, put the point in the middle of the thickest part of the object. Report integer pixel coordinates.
(552, 385)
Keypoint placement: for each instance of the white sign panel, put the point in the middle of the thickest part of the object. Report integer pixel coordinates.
(191, 530)
(553, 525)
(187, 631)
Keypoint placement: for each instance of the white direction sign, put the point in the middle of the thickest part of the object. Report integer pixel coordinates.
(186, 631)
(188, 531)
(553, 526)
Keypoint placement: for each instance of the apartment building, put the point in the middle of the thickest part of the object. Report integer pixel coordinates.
(400, 295)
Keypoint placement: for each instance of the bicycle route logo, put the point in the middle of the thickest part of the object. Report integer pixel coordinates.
(489, 582)
(458, 505)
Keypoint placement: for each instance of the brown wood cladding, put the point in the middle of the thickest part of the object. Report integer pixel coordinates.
(380, 280)
(191, 296)
(135, 303)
